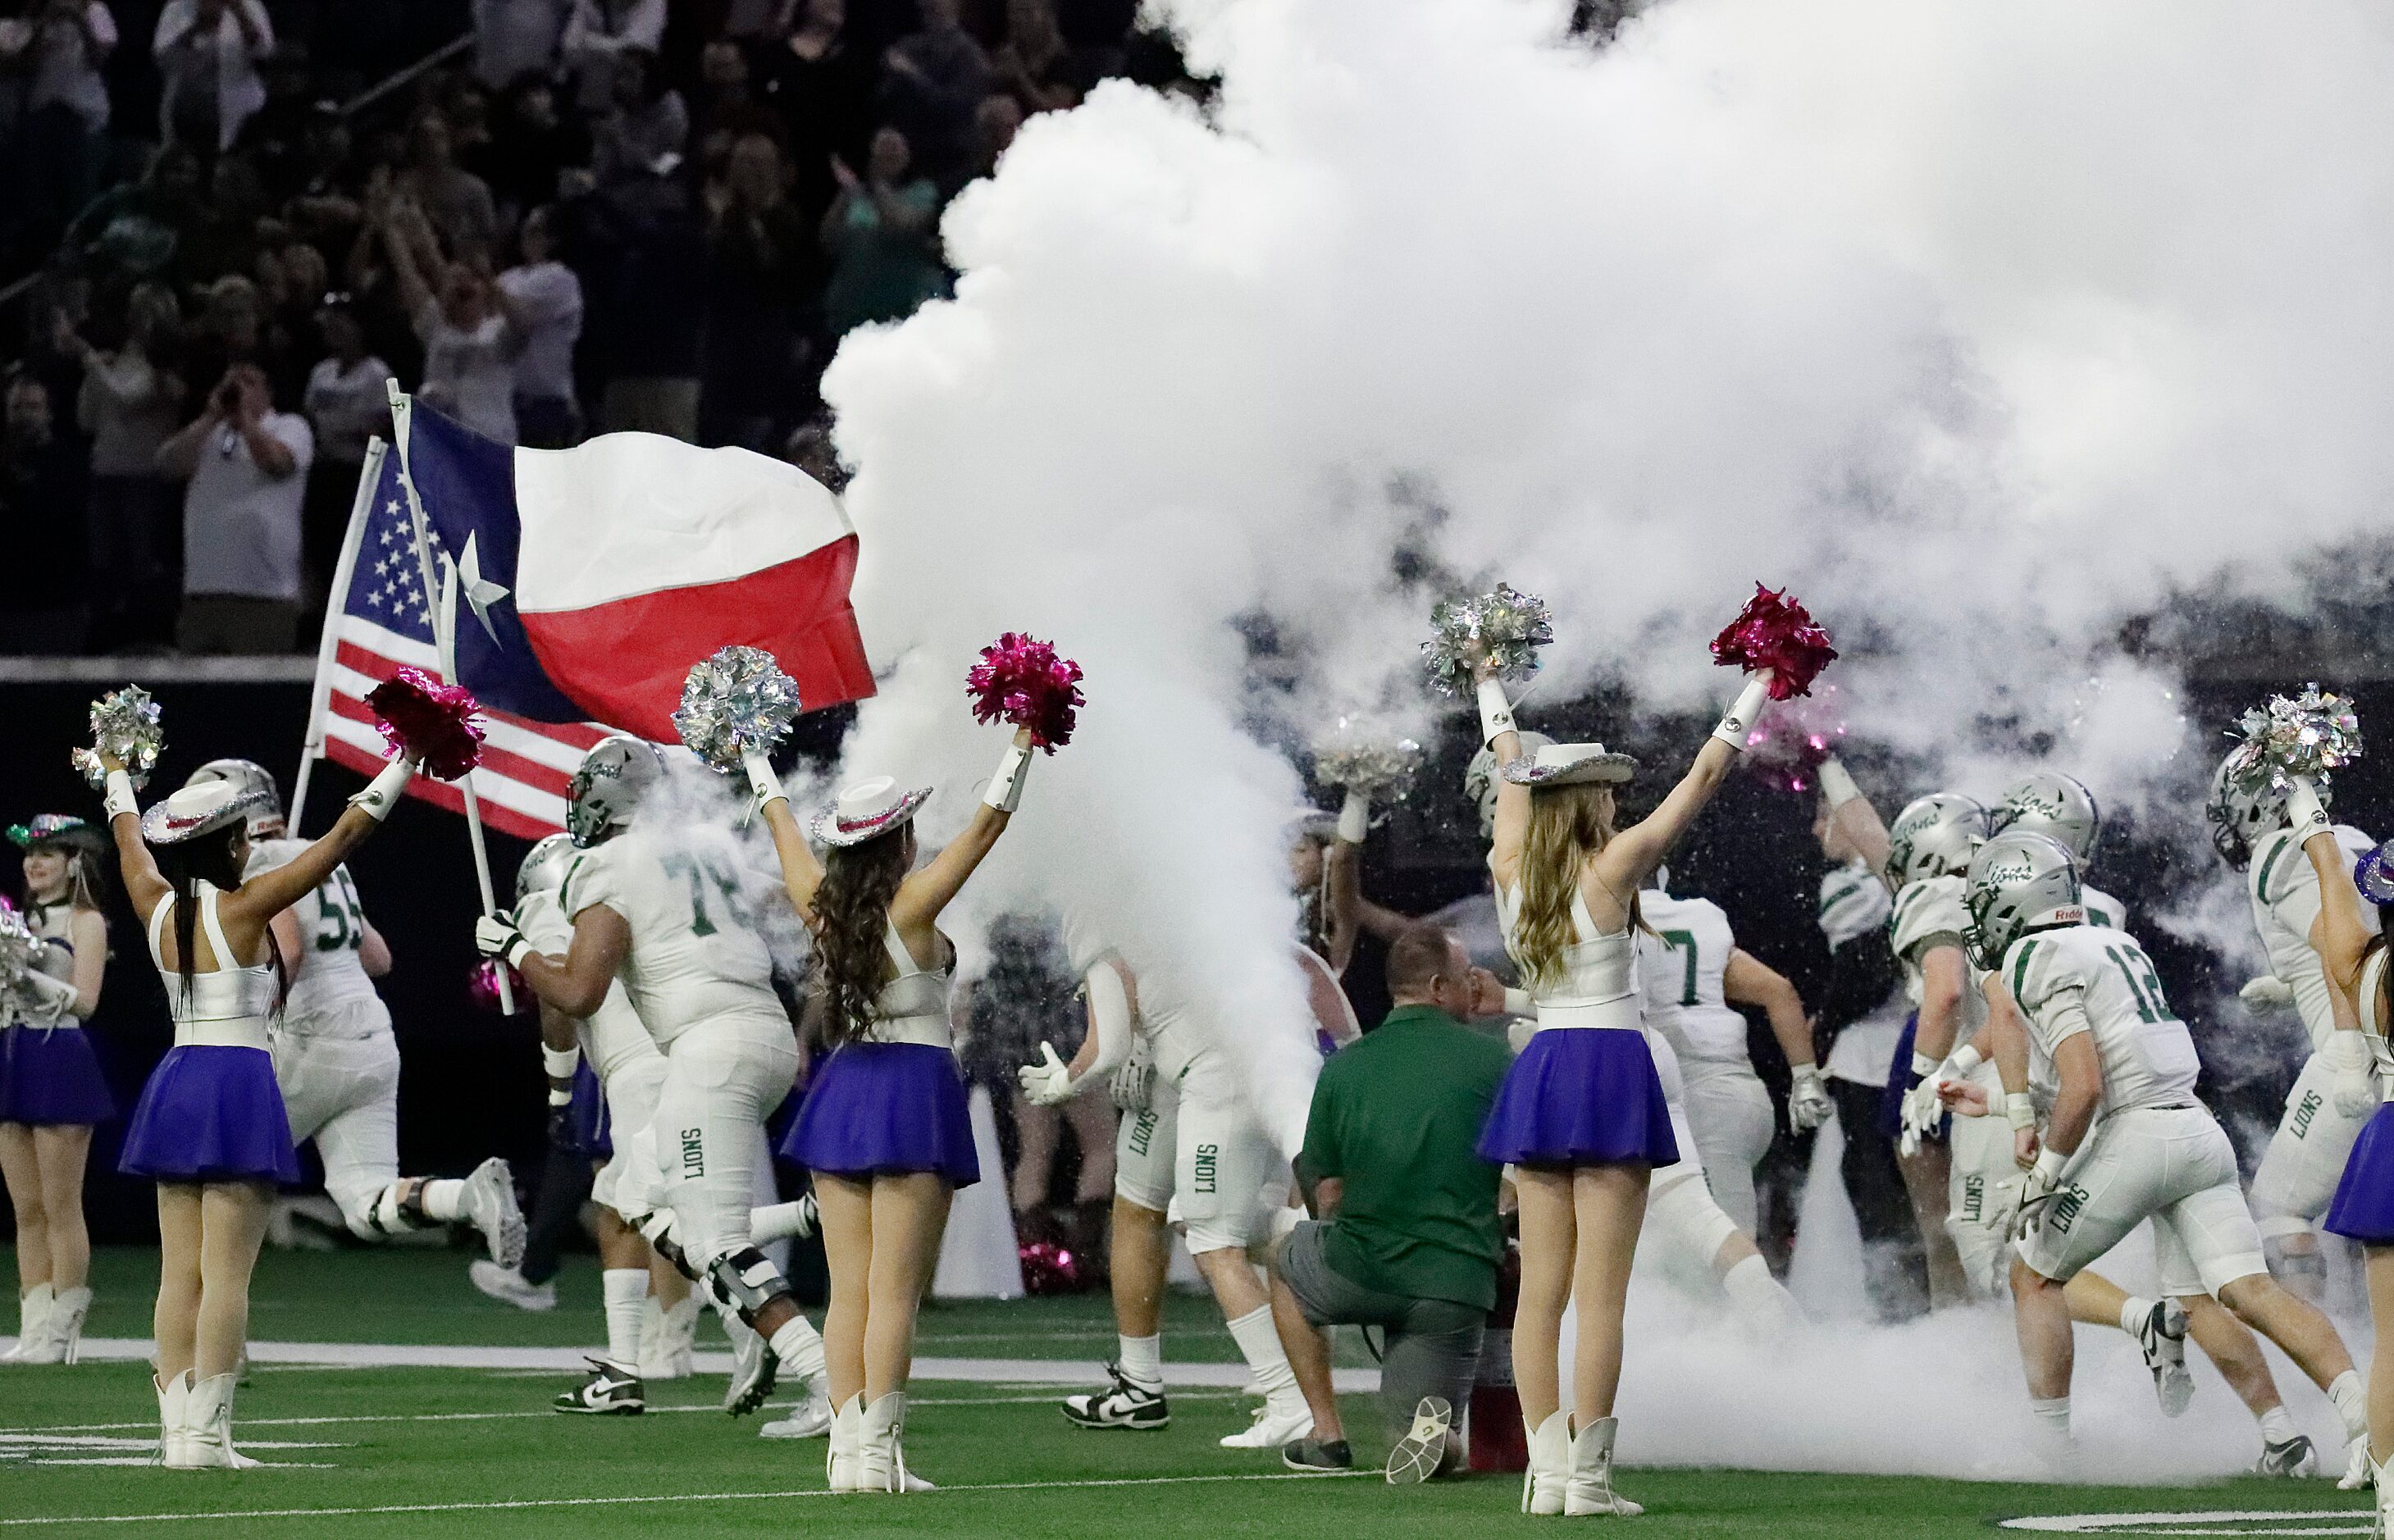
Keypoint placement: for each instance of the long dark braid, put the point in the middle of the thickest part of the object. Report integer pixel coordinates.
(185, 865)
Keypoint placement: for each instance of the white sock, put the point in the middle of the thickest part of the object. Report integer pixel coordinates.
(2351, 1404)
(1258, 1342)
(1758, 1296)
(774, 1223)
(799, 1347)
(2133, 1312)
(2278, 1426)
(2052, 1415)
(442, 1199)
(628, 1301)
(1142, 1361)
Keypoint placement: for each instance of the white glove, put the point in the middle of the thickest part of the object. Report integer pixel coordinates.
(2353, 1087)
(496, 936)
(2037, 1190)
(1807, 1100)
(2266, 992)
(1133, 1087)
(1355, 818)
(1049, 1082)
(1921, 1113)
(44, 1001)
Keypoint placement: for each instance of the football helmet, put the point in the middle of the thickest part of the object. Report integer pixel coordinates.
(1934, 836)
(2019, 882)
(543, 866)
(606, 791)
(2050, 802)
(1479, 778)
(2240, 815)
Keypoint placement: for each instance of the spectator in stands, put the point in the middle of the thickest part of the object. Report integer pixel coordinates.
(246, 465)
(994, 126)
(761, 258)
(645, 131)
(881, 236)
(346, 404)
(1036, 65)
(544, 298)
(755, 20)
(513, 38)
(469, 348)
(822, 89)
(130, 402)
(456, 202)
(42, 492)
(648, 239)
(208, 53)
(728, 105)
(598, 32)
(60, 47)
(932, 84)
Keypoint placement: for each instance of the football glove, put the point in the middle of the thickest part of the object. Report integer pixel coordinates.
(1807, 1100)
(1047, 1083)
(2266, 992)
(2353, 1088)
(2038, 1189)
(496, 936)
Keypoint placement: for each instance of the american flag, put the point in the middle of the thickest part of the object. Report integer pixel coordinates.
(383, 623)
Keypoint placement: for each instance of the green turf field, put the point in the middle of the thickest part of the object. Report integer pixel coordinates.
(419, 1452)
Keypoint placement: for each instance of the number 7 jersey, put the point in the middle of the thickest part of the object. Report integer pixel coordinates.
(330, 993)
(689, 900)
(2083, 977)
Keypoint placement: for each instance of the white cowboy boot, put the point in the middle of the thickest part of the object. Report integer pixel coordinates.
(1542, 1484)
(843, 1466)
(208, 1426)
(1589, 1491)
(63, 1335)
(882, 1459)
(174, 1410)
(2377, 1470)
(33, 1325)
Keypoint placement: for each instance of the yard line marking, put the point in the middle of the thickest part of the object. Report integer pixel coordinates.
(1098, 1484)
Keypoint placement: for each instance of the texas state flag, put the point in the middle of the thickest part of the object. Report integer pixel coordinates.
(590, 579)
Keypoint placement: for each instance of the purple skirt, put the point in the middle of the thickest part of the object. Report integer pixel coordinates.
(1581, 1097)
(884, 1108)
(2363, 1209)
(53, 1079)
(211, 1114)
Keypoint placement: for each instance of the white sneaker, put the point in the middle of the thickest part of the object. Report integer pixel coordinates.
(2294, 1458)
(810, 1420)
(512, 1286)
(489, 1205)
(1418, 1455)
(2161, 1337)
(1271, 1429)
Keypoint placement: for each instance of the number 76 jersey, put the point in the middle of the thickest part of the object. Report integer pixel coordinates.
(689, 900)
(2085, 978)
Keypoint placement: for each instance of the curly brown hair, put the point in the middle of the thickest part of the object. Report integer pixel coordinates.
(851, 927)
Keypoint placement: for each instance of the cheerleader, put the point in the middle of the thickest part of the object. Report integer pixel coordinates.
(210, 1127)
(53, 1093)
(2354, 951)
(885, 1126)
(1582, 1115)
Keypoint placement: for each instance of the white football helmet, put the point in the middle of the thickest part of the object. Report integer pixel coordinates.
(1934, 836)
(2240, 815)
(253, 780)
(2050, 802)
(1479, 777)
(2019, 882)
(605, 793)
(545, 866)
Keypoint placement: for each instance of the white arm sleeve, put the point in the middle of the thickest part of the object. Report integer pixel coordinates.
(1109, 1018)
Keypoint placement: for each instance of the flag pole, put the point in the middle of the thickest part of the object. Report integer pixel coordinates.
(445, 634)
(337, 603)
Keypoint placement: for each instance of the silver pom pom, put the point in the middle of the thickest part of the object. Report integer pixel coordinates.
(1382, 770)
(737, 701)
(125, 725)
(1507, 626)
(2306, 735)
(21, 951)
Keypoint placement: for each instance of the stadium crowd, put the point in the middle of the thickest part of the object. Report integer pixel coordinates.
(230, 220)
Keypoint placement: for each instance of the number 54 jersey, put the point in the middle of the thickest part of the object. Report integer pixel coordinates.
(2087, 979)
(331, 995)
(691, 902)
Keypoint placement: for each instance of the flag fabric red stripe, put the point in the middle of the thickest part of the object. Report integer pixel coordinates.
(498, 761)
(440, 794)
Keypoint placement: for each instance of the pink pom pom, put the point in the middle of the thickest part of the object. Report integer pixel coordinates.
(1792, 737)
(483, 985)
(419, 715)
(1777, 633)
(1048, 1268)
(1019, 680)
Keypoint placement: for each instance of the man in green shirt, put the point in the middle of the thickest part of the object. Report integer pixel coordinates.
(1407, 1237)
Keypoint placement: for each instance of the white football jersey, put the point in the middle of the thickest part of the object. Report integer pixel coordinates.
(696, 953)
(2285, 894)
(1680, 967)
(1924, 911)
(612, 1035)
(2104, 911)
(329, 987)
(2147, 1055)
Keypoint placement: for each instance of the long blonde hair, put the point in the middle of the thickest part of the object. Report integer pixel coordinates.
(1568, 825)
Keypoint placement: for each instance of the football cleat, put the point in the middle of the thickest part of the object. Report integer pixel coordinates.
(1271, 1429)
(489, 1205)
(810, 1420)
(1418, 1455)
(607, 1392)
(2293, 1457)
(754, 1366)
(2161, 1337)
(2357, 1473)
(1123, 1404)
(512, 1286)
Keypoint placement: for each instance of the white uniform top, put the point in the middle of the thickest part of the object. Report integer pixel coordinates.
(696, 955)
(913, 1007)
(1599, 983)
(1680, 970)
(226, 1007)
(2104, 911)
(612, 1035)
(2147, 1055)
(330, 991)
(2373, 1025)
(1925, 910)
(2285, 894)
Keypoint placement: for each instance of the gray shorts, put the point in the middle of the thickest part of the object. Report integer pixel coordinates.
(1431, 1347)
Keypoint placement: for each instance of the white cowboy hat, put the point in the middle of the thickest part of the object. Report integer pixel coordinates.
(864, 810)
(197, 809)
(1570, 765)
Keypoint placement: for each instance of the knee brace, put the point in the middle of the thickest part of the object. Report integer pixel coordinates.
(657, 1228)
(399, 1209)
(746, 1280)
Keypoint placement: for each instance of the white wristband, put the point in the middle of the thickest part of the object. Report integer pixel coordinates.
(2049, 1163)
(2304, 813)
(1495, 711)
(1005, 791)
(560, 1096)
(1355, 818)
(761, 779)
(1924, 1066)
(518, 950)
(1964, 1062)
(2019, 1109)
(120, 799)
(1837, 786)
(561, 1063)
(383, 793)
(1517, 1003)
(1736, 728)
